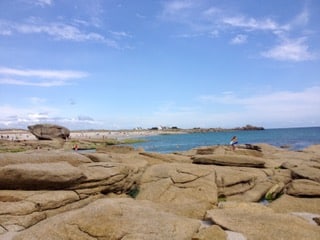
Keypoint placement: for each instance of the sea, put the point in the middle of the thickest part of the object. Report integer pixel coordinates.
(291, 138)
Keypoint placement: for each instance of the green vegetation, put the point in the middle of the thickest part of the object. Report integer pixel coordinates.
(11, 150)
(131, 141)
(222, 198)
(133, 192)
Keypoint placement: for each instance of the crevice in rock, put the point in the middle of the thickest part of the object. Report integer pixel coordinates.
(4, 227)
(101, 166)
(101, 182)
(85, 232)
(206, 222)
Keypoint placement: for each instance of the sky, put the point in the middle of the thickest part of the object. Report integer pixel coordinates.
(122, 64)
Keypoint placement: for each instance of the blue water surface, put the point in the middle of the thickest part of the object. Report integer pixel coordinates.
(294, 138)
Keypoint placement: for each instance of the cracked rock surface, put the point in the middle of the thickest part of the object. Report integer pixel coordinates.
(205, 193)
(114, 219)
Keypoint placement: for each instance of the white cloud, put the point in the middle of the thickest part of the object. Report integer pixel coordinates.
(37, 100)
(275, 109)
(290, 50)
(183, 11)
(34, 83)
(15, 115)
(36, 117)
(282, 107)
(239, 39)
(173, 7)
(40, 78)
(119, 35)
(43, 3)
(21, 117)
(55, 74)
(57, 30)
(211, 12)
(301, 19)
(203, 18)
(252, 23)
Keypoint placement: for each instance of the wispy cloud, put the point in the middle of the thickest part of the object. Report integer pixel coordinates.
(204, 18)
(290, 50)
(44, 2)
(281, 106)
(176, 6)
(41, 3)
(40, 78)
(183, 11)
(17, 117)
(34, 83)
(120, 35)
(253, 24)
(57, 30)
(37, 100)
(207, 16)
(302, 19)
(239, 39)
(58, 74)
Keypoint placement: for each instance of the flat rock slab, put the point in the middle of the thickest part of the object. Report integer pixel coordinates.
(255, 221)
(225, 160)
(187, 189)
(287, 204)
(176, 182)
(26, 208)
(212, 232)
(114, 219)
(107, 177)
(37, 176)
(43, 156)
(304, 171)
(304, 187)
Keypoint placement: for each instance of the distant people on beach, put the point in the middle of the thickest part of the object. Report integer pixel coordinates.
(233, 142)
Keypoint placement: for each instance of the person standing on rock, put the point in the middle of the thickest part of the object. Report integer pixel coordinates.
(233, 142)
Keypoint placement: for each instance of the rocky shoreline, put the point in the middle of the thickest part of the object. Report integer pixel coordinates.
(118, 192)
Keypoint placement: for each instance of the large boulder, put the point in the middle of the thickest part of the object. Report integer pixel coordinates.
(49, 131)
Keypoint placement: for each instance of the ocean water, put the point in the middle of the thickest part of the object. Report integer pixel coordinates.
(293, 138)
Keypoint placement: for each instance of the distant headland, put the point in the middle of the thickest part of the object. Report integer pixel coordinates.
(247, 127)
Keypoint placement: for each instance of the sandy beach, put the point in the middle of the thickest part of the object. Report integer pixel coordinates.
(23, 135)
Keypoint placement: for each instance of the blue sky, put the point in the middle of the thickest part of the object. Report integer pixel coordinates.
(121, 64)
